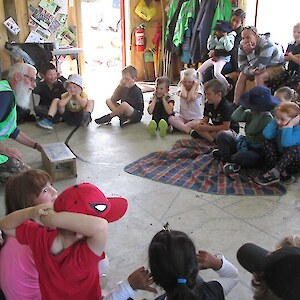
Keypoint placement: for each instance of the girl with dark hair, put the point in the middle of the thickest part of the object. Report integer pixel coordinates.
(174, 266)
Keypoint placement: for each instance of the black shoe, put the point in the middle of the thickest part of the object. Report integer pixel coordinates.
(194, 134)
(123, 120)
(103, 119)
(266, 179)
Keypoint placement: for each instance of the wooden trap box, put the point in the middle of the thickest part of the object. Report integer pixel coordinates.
(59, 161)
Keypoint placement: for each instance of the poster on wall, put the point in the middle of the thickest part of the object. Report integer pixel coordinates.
(42, 17)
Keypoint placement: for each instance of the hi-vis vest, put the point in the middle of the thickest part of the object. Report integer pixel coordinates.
(8, 125)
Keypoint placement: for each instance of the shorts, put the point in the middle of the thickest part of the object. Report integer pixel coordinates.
(135, 117)
(274, 71)
(73, 118)
(11, 167)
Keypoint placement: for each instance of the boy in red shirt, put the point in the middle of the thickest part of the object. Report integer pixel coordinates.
(67, 251)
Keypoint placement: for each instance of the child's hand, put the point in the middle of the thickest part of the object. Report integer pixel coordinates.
(141, 279)
(293, 122)
(207, 260)
(211, 53)
(38, 211)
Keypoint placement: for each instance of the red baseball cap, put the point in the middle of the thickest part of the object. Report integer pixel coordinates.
(87, 199)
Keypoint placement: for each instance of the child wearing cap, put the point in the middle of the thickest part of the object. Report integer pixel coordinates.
(74, 105)
(276, 275)
(222, 39)
(282, 145)
(246, 150)
(68, 249)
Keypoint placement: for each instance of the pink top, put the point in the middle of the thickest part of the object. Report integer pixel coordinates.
(18, 275)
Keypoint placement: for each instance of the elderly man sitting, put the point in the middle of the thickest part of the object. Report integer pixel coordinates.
(258, 57)
(16, 90)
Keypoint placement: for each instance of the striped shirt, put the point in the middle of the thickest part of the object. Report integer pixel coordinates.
(265, 54)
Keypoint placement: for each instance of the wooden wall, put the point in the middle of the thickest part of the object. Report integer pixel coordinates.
(18, 10)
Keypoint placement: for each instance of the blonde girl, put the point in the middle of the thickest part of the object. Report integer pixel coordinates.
(190, 93)
(285, 94)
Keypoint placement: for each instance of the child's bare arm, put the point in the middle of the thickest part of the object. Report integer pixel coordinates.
(94, 228)
(10, 222)
(152, 105)
(64, 100)
(213, 128)
(83, 101)
(168, 106)
(192, 95)
(183, 93)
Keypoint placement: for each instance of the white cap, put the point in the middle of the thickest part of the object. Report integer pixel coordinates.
(74, 78)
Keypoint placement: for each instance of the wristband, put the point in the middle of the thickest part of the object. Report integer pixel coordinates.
(34, 147)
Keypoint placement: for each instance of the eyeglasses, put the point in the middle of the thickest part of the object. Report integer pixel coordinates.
(32, 79)
(252, 28)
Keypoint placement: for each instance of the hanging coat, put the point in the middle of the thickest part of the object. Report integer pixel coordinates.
(223, 12)
(201, 30)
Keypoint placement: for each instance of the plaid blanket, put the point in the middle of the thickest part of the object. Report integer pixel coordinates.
(190, 164)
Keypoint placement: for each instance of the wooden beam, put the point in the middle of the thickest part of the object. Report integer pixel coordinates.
(74, 18)
(22, 17)
(5, 59)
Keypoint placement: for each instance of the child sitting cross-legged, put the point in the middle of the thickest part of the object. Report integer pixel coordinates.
(217, 113)
(74, 105)
(174, 265)
(190, 93)
(282, 145)
(161, 106)
(246, 150)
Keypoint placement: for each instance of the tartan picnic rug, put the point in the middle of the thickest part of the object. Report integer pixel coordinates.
(190, 164)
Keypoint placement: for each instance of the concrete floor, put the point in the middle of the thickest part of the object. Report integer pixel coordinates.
(215, 222)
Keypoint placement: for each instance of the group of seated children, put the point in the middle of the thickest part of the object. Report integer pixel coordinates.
(71, 244)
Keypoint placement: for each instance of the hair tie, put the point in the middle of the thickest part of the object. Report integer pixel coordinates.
(181, 280)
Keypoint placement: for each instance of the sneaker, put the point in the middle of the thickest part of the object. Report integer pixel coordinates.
(230, 168)
(45, 123)
(104, 119)
(87, 118)
(194, 134)
(152, 126)
(287, 178)
(266, 179)
(215, 153)
(123, 120)
(163, 127)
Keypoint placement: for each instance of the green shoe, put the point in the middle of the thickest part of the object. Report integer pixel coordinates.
(163, 127)
(152, 126)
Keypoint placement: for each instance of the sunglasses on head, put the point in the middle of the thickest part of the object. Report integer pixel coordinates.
(252, 28)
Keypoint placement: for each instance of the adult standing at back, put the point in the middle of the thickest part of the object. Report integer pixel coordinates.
(258, 57)
(16, 90)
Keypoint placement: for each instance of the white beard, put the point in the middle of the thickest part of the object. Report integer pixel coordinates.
(22, 95)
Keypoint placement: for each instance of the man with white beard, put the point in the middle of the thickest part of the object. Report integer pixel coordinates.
(16, 90)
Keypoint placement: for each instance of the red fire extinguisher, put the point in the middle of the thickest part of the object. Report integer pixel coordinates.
(140, 38)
